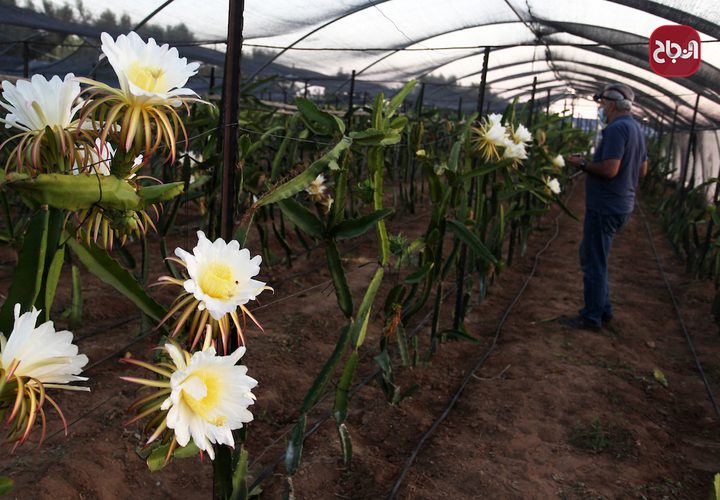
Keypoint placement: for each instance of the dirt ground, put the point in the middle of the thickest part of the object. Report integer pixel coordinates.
(554, 413)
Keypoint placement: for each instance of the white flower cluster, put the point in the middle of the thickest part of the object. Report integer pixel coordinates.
(494, 134)
(148, 74)
(208, 394)
(515, 146)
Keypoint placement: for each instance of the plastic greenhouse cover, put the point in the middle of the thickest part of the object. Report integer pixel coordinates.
(573, 47)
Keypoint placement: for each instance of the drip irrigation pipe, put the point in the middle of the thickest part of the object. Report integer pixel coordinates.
(674, 301)
(426, 435)
(268, 470)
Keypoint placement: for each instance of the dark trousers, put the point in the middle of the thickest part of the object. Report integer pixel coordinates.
(598, 233)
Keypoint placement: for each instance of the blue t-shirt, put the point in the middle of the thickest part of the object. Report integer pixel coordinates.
(623, 139)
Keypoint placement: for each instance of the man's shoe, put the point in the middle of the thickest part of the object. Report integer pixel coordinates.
(580, 323)
(607, 318)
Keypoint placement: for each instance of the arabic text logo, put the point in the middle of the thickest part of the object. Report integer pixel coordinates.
(674, 50)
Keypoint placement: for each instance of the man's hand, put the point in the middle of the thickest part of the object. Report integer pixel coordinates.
(578, 161)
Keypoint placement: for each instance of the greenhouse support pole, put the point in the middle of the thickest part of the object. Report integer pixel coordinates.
(305, 91)
(351, 100)
(462, 259)
(212, 80)
(231, 89)
(418, 116)
(518, 232)
(671, 153)
(459, 111)
(222, 465)
(532, 104)
(420, 101)
(686, 160)
(483, 81)
(547, 103)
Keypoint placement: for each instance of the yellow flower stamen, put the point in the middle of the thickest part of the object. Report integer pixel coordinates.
(217, 280)
(150, 78)
(201, 392)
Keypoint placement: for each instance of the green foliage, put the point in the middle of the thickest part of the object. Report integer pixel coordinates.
(102, 265)
(27, 277)
(78, 192)
(303, 180)
(158, 456)
(688, 213)
(352, 228)
(6, 485)
(602, 437)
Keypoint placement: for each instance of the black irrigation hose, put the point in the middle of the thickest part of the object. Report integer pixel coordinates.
(426, 435)
(698, 364)
(268, 470)
(115, 324)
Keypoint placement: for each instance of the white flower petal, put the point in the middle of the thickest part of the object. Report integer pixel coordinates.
(98, 160)
(220, 275)
(176, 355)
(554, 186)
(209, 398)
(148, 72)
(40, 103)
(515, 151)
(522, 135)
(43, 354)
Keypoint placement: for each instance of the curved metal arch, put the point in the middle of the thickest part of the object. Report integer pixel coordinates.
(643, 109)
(648, 101)
(370, 4)
(505, 66)
(625, 74)
(626, 56)
(648, 107)
(641, 100)
(702, 82)
(621, 73)
(394, 51)
(673, 14)
(593, 66)
(658, 107)
(465, 56)
(583, 85)
(429, 37)
(691, 86)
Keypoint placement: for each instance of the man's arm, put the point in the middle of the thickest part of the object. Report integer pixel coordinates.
(643, 169)
(605, 168)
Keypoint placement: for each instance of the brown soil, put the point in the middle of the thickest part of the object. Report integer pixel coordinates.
(554, 413)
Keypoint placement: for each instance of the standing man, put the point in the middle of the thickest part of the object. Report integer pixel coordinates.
(612, 179)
